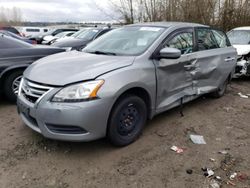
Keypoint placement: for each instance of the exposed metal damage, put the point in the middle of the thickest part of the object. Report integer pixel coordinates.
(243, 66)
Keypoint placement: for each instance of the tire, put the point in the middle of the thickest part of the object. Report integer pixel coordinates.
(127, 120)
(220, 92)
(10, 85)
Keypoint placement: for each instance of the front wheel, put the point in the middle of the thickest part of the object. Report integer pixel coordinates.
(127, 120)
(11, 85)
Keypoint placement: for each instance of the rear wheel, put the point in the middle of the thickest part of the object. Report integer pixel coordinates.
(221, 90)
(127, 120)
(11, 85)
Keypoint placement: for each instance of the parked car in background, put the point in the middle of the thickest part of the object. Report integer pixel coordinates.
(51, 39)
(31, 31)
(123, 78)
(15, 57)
(240, 38)
(10, 29)
(10, 34)
(40, 38)
(72, 36)
(82, 39)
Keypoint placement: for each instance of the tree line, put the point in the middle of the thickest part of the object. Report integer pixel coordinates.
(10, 16)
(224, 14)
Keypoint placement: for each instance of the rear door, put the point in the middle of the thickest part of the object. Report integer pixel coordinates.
(215, 59)
(174, 76)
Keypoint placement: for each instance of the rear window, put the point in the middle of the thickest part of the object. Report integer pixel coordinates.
(32, 30)
(10, 29)
(9, 42)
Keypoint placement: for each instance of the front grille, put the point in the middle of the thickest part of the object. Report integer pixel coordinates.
(33, 91)
(63, 129)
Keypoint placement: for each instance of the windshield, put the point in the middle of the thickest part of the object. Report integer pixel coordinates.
(78, 33)
(61, 34)
(239, 37)
(49, 32)
(88, 34)
(125, 41)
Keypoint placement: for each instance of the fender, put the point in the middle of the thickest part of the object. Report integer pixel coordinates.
(12, 68)
(142, 86)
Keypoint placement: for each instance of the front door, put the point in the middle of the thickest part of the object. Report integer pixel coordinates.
(174, 76)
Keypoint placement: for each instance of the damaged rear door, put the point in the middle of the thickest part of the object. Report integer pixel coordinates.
(174, 76)
(215, 60)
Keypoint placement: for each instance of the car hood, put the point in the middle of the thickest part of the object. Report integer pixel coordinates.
(71, 42)
(70, 67)
(242, 49)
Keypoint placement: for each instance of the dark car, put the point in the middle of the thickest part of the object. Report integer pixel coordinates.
(82, 39)
(10, 34)
(39, 38)
(10, 29)
(15, 57)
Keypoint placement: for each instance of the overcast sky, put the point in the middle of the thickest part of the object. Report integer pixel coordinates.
(62, 10)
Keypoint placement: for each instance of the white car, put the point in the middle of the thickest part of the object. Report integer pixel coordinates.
(31, 31)
(240, 39)
(49, 39)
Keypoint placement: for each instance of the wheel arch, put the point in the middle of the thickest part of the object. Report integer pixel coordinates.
(139, 91)
(10, 70)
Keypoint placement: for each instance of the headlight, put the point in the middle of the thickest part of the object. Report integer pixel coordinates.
(78, 92)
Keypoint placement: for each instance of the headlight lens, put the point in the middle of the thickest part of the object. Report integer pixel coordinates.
(78, 92)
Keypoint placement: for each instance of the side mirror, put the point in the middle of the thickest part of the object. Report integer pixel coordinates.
(170, 53)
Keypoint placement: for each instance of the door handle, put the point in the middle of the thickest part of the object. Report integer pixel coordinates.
(229, 59)
(189, 66)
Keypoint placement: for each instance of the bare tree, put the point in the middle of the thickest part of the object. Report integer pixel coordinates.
(10, 16)
(225, 14)
(3, 17)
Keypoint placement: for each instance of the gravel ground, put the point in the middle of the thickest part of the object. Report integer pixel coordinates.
(29, 160)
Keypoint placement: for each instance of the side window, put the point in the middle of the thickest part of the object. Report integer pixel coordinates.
(101, 33)
(181, 41)
(206, 40)
(32, 30)
(221, 38)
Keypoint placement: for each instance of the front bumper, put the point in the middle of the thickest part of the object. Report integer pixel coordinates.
(84, 121)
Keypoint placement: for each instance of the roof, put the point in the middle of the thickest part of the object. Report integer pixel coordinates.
(169, 24)
(242, 28)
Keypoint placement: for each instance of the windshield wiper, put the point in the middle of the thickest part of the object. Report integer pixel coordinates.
(102, 53)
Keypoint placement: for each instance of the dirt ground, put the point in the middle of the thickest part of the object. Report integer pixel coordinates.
(29, 160)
